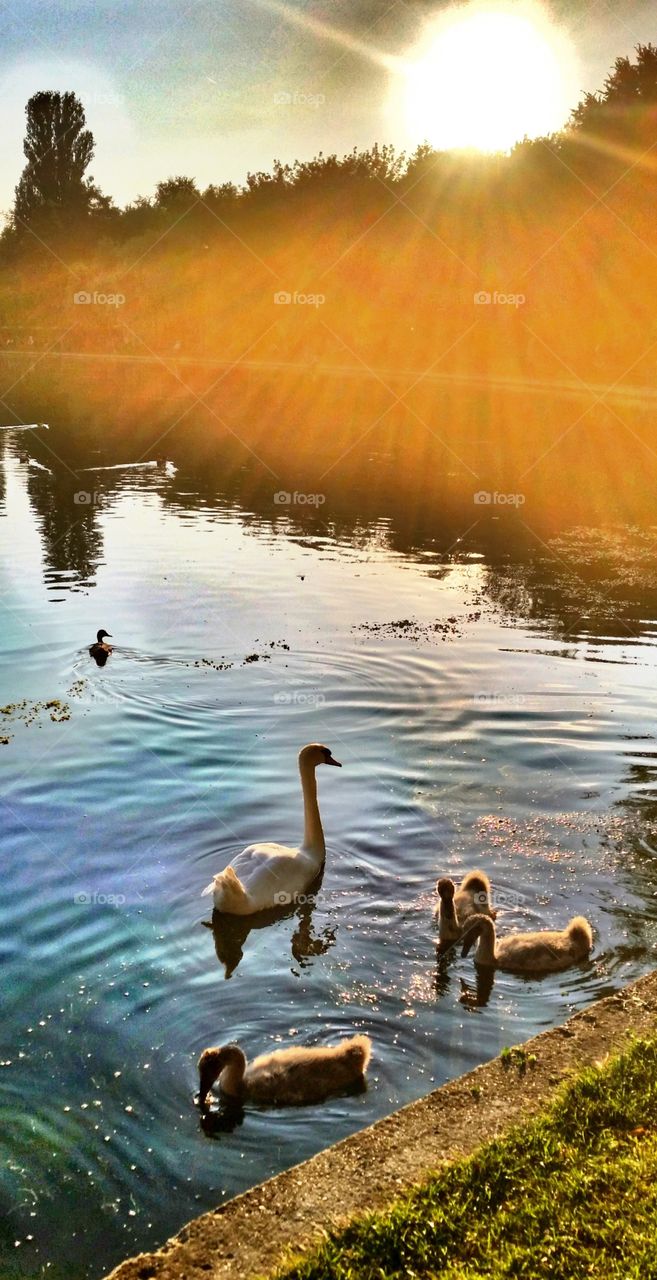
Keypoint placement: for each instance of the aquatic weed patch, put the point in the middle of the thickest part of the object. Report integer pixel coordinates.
(28, 712)
(599, 576)
(412, 629)
(623, 556)
(573, 1193)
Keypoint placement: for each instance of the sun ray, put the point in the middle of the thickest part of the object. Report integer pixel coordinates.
(325, 31)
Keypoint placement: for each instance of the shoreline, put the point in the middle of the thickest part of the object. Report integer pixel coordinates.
(251, 1234)
(577, 388)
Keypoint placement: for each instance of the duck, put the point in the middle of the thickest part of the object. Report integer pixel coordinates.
(456, 906)
(541, 951)
(272, 875)
(292, 1077)
(99, 649)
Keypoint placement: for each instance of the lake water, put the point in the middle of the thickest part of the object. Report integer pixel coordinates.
(489, 709)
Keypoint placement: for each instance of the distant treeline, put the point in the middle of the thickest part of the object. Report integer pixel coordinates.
(542, 262)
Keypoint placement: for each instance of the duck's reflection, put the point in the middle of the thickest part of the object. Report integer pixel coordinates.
(230, 932)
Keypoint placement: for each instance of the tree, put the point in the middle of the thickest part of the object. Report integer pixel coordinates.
(58, 148)
(628, 100)
(176, 196)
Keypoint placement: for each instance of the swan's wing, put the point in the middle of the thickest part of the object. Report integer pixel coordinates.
(255, 859)
(222, 878)
(274, 874)
(259, 853)
(539, 953)
(262, 875)
(259, 860)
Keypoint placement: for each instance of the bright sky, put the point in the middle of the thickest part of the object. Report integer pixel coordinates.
(213, 88)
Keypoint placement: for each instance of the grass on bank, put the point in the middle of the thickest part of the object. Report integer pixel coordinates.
(571, 1194)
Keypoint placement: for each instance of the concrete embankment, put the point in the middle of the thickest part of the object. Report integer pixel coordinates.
(249, 1235)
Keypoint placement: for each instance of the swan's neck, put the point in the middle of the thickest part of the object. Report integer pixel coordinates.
(486, 944)
(232, 1077)
(313, 835)
(448, 911)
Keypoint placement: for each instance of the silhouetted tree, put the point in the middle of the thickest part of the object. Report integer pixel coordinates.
(627, 99)
(58, 148)
(176, 196)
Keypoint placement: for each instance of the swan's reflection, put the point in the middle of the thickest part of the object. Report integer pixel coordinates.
(231, 932)
(223, 1118)
(477, 995)
(473, 995)
(305, 943)
(442, 978)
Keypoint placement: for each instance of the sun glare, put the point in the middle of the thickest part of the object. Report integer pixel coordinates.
(487, 75)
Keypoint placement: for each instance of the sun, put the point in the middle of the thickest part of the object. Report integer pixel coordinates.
(488, 74)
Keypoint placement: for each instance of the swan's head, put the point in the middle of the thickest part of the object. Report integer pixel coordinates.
(478, 927)
(581, 934)
(211, 1064)
(445, 888)
(315, 754)
(100, 636)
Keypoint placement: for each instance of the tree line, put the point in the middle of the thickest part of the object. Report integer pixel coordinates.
(56, 202)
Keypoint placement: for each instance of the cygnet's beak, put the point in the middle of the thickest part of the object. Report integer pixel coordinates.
(332, 760)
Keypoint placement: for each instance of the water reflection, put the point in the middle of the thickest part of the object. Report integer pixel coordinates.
(475, 992)
(221, 1119)
(230, 933)
(70, 530)
(476, 995)
(522, 742)
(427, 463)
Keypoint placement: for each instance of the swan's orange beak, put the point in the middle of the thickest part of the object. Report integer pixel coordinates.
(337, 763)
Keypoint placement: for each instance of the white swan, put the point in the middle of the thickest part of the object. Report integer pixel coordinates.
(541, 951)
(287, 1077)
(273, 875)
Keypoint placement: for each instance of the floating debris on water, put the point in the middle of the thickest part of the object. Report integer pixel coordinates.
(412, 629)
(27, 713)
(224, 664)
